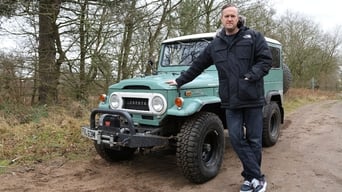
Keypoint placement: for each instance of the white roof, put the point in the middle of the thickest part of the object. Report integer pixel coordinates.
(194, 36)
(272, 40)
(206, 35)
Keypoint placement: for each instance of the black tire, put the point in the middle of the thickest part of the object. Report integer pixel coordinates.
(287, 78)
(272, 121)
(114, 155)
(200, 147)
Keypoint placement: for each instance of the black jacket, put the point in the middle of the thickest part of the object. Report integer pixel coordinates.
(247, 56)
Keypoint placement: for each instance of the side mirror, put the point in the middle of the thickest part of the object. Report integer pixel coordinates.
(150, 62)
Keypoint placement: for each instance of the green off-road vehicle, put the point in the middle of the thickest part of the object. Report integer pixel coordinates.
(145, 112)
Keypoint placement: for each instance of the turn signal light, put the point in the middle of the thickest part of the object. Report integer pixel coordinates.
(179, 101)
(103, 97)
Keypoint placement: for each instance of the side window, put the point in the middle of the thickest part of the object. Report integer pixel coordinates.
(276, 57)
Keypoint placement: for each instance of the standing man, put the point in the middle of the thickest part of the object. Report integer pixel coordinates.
(242, 59)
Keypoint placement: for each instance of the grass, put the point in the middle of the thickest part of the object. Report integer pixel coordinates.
(52, 133)
(296, 98)
(36, 134)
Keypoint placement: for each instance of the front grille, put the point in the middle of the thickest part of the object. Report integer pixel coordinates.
(135, 103)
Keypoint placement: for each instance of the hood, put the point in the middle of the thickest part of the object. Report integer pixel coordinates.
(206, 79)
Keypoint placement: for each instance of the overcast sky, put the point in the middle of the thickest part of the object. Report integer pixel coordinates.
(327, 13)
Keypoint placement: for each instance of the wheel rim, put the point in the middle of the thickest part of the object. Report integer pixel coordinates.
(274, 125)
(209, 148)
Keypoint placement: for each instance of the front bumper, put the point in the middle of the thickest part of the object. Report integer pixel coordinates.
(116, 128)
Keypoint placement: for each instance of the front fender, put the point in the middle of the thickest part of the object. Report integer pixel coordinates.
(192, 105)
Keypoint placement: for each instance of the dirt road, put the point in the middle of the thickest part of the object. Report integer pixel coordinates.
(308, 157)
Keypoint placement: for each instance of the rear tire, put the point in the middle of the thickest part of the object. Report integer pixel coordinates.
(200, 147)
(272, 121)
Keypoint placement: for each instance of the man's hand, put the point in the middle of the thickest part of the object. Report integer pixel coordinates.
(171, 82)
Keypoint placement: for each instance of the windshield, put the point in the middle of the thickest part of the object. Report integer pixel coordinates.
(182, 53)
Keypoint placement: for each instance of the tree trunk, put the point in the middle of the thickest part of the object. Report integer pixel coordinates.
(83, 47)
(124, 70)
(48, 69)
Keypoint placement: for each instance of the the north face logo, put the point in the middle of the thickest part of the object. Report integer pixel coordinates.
(248, 36)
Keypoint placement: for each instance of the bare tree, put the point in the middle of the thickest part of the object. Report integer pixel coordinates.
(11, 88)
(309, 53)
(80, 47)
(155, 24)
(211, 12)
(7, 8)
(49, 67)
(327, 59)
(259, 15)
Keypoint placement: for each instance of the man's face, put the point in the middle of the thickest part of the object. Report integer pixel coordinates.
(229, 19)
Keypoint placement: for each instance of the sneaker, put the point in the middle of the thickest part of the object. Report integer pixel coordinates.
(246, 186)
(259, 185)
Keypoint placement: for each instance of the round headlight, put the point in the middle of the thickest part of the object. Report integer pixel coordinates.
(158, 103)
(114, 101)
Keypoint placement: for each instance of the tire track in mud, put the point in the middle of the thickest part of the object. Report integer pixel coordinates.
(310, 146)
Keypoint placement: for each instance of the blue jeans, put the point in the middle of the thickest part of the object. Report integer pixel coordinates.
(247, 144)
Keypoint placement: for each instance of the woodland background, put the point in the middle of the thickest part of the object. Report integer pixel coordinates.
(72, 50)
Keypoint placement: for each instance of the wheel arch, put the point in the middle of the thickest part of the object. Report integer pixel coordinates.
(276, 96)
(199, 104)
(217, 109)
